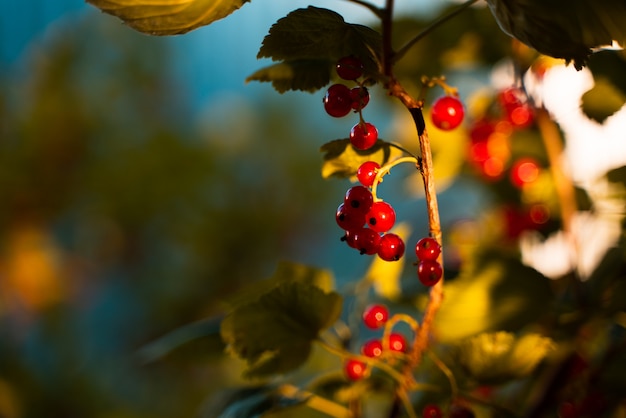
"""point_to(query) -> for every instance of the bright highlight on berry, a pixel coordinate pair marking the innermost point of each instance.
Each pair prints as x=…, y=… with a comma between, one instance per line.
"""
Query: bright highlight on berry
x=355, y=369
x=375, y=316
x=447, y=113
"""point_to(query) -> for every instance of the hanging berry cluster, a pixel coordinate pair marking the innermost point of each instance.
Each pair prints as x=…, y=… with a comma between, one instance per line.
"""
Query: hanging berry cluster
x=341, y=100
x=365, y=218
x=375, y=317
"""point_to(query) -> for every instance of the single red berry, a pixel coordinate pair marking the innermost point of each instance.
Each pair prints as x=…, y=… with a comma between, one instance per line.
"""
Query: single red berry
x=359, y=199
x=349, y=68
x=432, y=411
x=381, y=216
x=510, y=97
x=366, y=173
x=349, y=219
x=429, y=272
x=360, y=97
x=397, y=342
x=348, y=237
x=427, y=249
x=391, y=247
x=520, y=116
x=366, y=240
x=524, y=171
x=375, y=316
x=447, y=113
x=363, y=135
x=459, y=411
x=372, y=348
x=338, y=101
x=355, y=369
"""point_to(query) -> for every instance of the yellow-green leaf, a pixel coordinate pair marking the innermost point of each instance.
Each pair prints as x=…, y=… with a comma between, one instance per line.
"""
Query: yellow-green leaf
x=385, y=275
x=168, y=17
x=492, y=358
x=342, y=160
x=305, y=75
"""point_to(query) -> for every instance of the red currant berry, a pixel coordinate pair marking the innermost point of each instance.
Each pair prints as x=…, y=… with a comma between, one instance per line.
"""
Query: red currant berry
x=524, y=171
x=359, y=199
x=366, y=173
x=458, y=411
x=349, y=68
x=397, y=342
x=427, y=249
x=366, y=241
x=372, y=348
x=381, y=216
x=348, y=237
x=391, y=247
x=447, y=113
x=510, y=97
x=348, y=219
x=360, y=97
x=429, y=272
x=432, y=411
x=355, y=369
x=338, y=101
x=363, y=135
x=375, y=316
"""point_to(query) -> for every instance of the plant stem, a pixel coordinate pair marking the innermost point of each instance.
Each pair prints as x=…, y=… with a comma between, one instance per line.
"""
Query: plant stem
x=404, y=49
x=384, y=170
x=316, y=402
x=371, y=7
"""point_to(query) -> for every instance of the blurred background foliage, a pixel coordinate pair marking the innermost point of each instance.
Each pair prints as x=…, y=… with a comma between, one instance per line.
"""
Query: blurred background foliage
x=129, y=214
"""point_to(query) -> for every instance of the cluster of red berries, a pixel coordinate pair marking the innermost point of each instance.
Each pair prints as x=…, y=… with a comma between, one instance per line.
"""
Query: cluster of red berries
x=341, y=100
x=490, y=147
x=374, y=317
x=366, y=222
x=429, y=270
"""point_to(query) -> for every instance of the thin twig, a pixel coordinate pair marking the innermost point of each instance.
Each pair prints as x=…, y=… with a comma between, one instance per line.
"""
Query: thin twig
x=403, y=50
x=371, y=7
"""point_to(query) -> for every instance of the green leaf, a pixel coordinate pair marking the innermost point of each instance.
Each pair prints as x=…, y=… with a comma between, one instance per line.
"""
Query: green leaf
x=493, y=292
x=304, y=75
x=286, y=271
x=603, y=100
x=562, y=28
x=342, y=160
x=171, y=17
x=274, y=333
x=319, y=36
x=493, y=358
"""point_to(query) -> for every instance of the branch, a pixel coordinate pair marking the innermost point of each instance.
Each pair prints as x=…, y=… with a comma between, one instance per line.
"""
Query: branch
x=404, y=49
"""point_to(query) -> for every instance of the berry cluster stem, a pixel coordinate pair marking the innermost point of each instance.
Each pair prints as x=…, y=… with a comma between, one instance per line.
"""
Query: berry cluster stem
x=384, y=170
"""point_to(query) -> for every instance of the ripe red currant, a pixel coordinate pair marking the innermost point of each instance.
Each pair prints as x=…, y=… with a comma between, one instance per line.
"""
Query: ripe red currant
x=359, y=199
x=366, y=241
x=375, y=316
x=372, y=348
x=348, y=219
x=397, y=342
x=447, y=113
x=363, y=135
x=381, y=216
x=429, y=272
x=338, y=101
x=348, y=237
x=524, y=171
x=355, y=369
x=432, y=411
x=360, y=97
x=349, y=68
x=427, y=249
x=366, y=173
x=391, y=247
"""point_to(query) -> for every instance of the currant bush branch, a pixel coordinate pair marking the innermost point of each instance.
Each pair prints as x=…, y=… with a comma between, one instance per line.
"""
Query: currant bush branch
x=436, y=23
